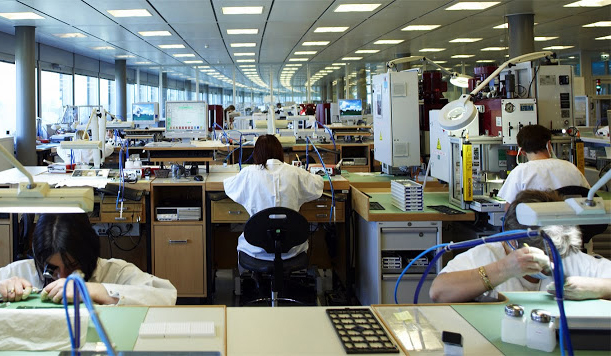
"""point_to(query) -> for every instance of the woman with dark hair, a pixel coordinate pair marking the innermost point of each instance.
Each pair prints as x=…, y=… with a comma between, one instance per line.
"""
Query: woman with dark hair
x=522, y=265
x=64, y=243
x=271, y=183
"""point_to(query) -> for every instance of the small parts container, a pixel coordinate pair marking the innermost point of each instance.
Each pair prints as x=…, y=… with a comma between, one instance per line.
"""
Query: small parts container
x=540, y=331
x=513, y=325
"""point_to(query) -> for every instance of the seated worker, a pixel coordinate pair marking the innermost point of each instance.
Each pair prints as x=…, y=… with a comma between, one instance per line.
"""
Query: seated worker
x=228, y=123
x=542, y=171
x=64, y=243
x=483, y=271
x=268, y=183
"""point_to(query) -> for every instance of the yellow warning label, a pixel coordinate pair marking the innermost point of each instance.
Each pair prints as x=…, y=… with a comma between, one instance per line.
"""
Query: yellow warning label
x=467, y=165
x=380, y=135
x=438, y=144
x=579, y=156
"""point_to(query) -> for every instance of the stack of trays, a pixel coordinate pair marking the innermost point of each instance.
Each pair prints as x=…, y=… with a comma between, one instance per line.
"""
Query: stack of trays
x=407, y=195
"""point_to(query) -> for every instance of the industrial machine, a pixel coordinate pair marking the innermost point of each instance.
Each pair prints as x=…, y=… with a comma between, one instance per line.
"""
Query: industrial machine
x=395, y=115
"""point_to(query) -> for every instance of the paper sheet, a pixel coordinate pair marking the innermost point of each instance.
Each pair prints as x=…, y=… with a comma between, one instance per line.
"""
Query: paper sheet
x=38, y=329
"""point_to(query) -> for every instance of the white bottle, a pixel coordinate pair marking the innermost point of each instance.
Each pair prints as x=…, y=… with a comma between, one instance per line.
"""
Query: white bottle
x=513, y=325
x=540, y=332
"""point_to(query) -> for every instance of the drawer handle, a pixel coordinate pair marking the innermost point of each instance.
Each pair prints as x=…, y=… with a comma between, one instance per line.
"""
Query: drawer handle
x=322, y=215
x=321, y=206
x=178, y=241
x=236, y=212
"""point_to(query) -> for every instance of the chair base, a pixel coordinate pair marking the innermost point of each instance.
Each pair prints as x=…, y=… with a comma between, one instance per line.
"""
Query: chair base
x=299, y=289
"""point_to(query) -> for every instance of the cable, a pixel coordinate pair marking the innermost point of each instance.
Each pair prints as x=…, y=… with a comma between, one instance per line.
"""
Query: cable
x=411, y=263
x=332, y=211
x=532, y=80
x=80, y=287
x=426, y=273
x=329, y=132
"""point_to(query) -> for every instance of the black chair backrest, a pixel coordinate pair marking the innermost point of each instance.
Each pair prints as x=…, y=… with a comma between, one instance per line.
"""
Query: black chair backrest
x=294, y=227
x=587, y=231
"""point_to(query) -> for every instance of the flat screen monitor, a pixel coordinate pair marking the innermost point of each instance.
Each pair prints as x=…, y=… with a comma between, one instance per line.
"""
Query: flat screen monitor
x=350, y=109
x=145, y=113
x=186, y=119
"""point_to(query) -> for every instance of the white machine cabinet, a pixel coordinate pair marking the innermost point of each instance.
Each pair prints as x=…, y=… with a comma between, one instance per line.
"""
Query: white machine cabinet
x=396, y=119
x=384, y=249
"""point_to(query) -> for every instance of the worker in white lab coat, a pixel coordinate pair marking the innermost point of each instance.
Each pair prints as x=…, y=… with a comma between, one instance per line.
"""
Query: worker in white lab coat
x=271, y=183
x=64, y=243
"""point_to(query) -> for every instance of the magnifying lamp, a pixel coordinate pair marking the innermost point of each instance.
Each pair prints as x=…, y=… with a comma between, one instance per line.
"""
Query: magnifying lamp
x=460, y=112
x=460, y=80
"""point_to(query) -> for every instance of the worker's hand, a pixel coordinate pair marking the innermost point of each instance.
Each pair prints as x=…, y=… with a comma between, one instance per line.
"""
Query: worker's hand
x=522, y=262
x=55, y=292
x=580, y=288
x=15, y=289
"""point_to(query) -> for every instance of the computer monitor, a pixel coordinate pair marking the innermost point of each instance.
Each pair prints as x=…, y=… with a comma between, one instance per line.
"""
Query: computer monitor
x=145, y=114
x=186, y=119
x=350, y=110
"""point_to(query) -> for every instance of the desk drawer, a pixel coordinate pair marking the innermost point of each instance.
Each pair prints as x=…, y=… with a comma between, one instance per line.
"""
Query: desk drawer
x=128, y=217
x=109, y=205
x=320, y=212
x=401, y=236
x=228, y=211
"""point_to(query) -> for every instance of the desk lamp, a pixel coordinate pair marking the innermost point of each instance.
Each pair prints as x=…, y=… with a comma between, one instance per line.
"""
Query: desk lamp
x=460, y=112
x=98, y=131
x=31, y=197
x=460, y=80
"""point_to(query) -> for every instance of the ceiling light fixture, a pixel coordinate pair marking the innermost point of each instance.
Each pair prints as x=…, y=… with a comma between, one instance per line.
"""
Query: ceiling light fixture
x=243, y=31
x=298, y=59
x=352, y=58
x=472, y=5
x=242, y=10
x=388, y=41
x=494, y=49
x=420, y=27
x=330, y=29
x=305, y=53
x=367, y=51
x=356, y=7
x=463, y=56
x=144, y=62
x=432, y=50
x=599, y=24
x=603, y=38
x=70, y=35
x=171, y=46
x=589, y=3
x=193, y=62
x=245, y=60
x=21, y=16
x=243, y=44
x=100, y=48
x=129, y=13
x=465, y=40
x=155, y=33
x=554, y=48
x=315, y=43
x=541, y=39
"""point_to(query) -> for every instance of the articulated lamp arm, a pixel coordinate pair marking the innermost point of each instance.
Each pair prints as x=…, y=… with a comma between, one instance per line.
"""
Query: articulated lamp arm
x=393, y=63
x=12, y=160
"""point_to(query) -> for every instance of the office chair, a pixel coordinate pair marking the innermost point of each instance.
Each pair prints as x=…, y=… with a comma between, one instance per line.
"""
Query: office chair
x=587, y=231
x=276, y=230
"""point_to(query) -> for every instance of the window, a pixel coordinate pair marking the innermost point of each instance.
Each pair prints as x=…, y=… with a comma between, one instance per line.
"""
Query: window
x=56, y=91
x=7, y=98
x=85, y=90
x=107, y=95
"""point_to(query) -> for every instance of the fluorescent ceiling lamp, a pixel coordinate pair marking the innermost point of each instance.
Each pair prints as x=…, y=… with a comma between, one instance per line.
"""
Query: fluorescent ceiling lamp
x=294, y=65
x=599, y=24
x=485, y=60
x=352, y=58
x=604, y=38
x=541, y=38
x=338, y=64
x=367, y=51
x=472, y=5
x=315, y=43
x=170, y=46
x=130, y=13
x=21, y=16
x=154, y=33
x=330, y=29
x=145, y=62
x=242, y=10
x=243, y=54
x=439, y=62
x=463, y=56
x=243, y=31
x=305, y=53
x=589, y=3
x=460, y=112
x=245, y=60
x=553, y=48
x=298, y=59
x=243, y=44
x=356, y=7
x=432, y=50
x=100, y=48
x=69, y=35
x=494, y=49
x=193, y=62
x=183, y=55
x=420, y=27
x=465, y=40
x=388, y=41
x=247, y=66
x=125, y=56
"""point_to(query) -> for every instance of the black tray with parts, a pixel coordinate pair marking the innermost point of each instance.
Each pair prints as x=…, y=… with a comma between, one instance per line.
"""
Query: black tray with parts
x=360, y=332
x=445, y=209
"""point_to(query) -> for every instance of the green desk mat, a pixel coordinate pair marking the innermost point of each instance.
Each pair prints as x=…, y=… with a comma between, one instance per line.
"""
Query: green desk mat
x=121, y=323
x=486, y=318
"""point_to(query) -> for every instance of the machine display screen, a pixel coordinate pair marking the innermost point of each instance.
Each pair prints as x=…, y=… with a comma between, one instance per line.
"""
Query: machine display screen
x=527, y=107
x=350, y=107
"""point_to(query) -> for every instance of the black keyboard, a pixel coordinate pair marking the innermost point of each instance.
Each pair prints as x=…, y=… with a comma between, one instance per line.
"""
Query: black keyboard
x=374, y=205
x=445, y=209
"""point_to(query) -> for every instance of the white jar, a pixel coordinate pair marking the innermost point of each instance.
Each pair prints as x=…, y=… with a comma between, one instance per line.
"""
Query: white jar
x=540, y=332
x=513, y=325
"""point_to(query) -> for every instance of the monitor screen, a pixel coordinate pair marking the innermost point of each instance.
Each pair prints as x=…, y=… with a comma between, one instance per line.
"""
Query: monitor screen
x=145, y=113
x=186, y=117
x=350, y=107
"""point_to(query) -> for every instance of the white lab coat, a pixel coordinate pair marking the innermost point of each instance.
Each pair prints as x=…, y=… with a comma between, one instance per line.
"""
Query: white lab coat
x=121, y=279
x=541, y=174
x=574, y=264
x=279, y=185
